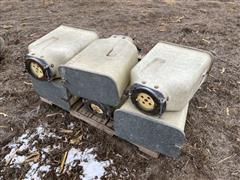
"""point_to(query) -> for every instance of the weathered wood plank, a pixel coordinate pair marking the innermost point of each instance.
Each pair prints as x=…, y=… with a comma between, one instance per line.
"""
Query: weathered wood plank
x=110, y=124
x=79, y=111
x=92, y=122
x=147, y=151
x=100, y=120
x=46, y=101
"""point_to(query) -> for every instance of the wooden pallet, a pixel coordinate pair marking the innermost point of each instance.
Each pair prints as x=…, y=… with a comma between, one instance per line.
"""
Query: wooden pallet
x=79, y=111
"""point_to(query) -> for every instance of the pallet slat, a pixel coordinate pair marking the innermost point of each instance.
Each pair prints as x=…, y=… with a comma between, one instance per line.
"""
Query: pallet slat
x=92, y=122
x=80, y=112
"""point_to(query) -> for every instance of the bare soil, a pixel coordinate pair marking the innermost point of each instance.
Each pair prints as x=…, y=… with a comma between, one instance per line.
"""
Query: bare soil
x=212, y=150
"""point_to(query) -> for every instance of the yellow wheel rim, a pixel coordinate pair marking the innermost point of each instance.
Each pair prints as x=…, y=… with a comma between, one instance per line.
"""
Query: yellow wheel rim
x=36, y=70
x=96, y=109
x=145, y=102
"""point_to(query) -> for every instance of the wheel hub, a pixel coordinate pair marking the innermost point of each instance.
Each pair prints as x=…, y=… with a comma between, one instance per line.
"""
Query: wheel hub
x=145, y=101
x=96, y=108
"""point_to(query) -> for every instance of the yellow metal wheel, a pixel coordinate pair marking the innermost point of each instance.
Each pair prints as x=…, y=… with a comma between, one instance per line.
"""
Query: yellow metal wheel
x=36, y=70
x=145, y=101
x=96, y=108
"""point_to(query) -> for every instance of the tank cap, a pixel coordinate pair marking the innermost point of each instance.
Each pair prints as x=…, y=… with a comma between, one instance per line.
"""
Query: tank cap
x=147, y=100
x=38, y=68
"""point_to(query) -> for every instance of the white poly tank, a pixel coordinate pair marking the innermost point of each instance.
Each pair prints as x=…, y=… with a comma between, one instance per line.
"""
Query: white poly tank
x=101, y=72
x=55, y=48
x=168, y=77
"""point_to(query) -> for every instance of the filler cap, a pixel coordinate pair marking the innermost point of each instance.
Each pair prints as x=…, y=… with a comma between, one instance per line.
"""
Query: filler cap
x=38, y=68
x=148, y=100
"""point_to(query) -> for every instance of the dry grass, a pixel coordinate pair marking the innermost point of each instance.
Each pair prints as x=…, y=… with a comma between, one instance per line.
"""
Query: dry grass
x=170, y=2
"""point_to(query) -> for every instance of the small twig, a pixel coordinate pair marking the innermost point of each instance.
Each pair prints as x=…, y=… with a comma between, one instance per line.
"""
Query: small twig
x=76, y=140
x=8, y=162
x=162, y=28
x=7, y=26
x=223, y=70
x=208, y=42
x=227, y=111
x=178, y=20
x=27, y=83
x=33, y=157
x=226, y=158
x=211, y=89
x=212, y=76
x=202, y=107
x=185, y=164
x=54, y=114
x=38, y=108
x=4, y=127
x=170, y=2
x=141, y=155
x=4, y=114
x=67, y=131
x=63, y=161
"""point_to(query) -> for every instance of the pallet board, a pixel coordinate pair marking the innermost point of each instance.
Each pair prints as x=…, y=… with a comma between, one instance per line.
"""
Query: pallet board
x=79, y=111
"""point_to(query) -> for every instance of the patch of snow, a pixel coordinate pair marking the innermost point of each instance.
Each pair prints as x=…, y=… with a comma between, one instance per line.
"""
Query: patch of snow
x=18, y=160
x=33, y=172
x=70, y=126
x=53, y=135
x=56, y=146
x=45, y=168
x=23, y=137
x=43, y=133
x=23, y=143
x=46, y=149
x=40, y=131
x=92, y=168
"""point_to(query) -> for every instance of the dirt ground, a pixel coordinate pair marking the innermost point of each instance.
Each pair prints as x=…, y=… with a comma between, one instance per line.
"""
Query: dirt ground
x=212, y=150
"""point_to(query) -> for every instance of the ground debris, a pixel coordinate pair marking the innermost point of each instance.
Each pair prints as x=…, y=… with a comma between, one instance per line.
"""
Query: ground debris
x=227, y=111
x=162, y=28
x=35, y=157
x=4, y=127
x=76, y=140
x=207, y=41
x=225, y=159
x=4, y=114
x=27, y=83
x=55, y=114
x=30, y=150
x=5, y=26
x=66, y=131
x=170, y=2
x=177, y=19
x=63, y=161
x=223, y=70
x=202, y=107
